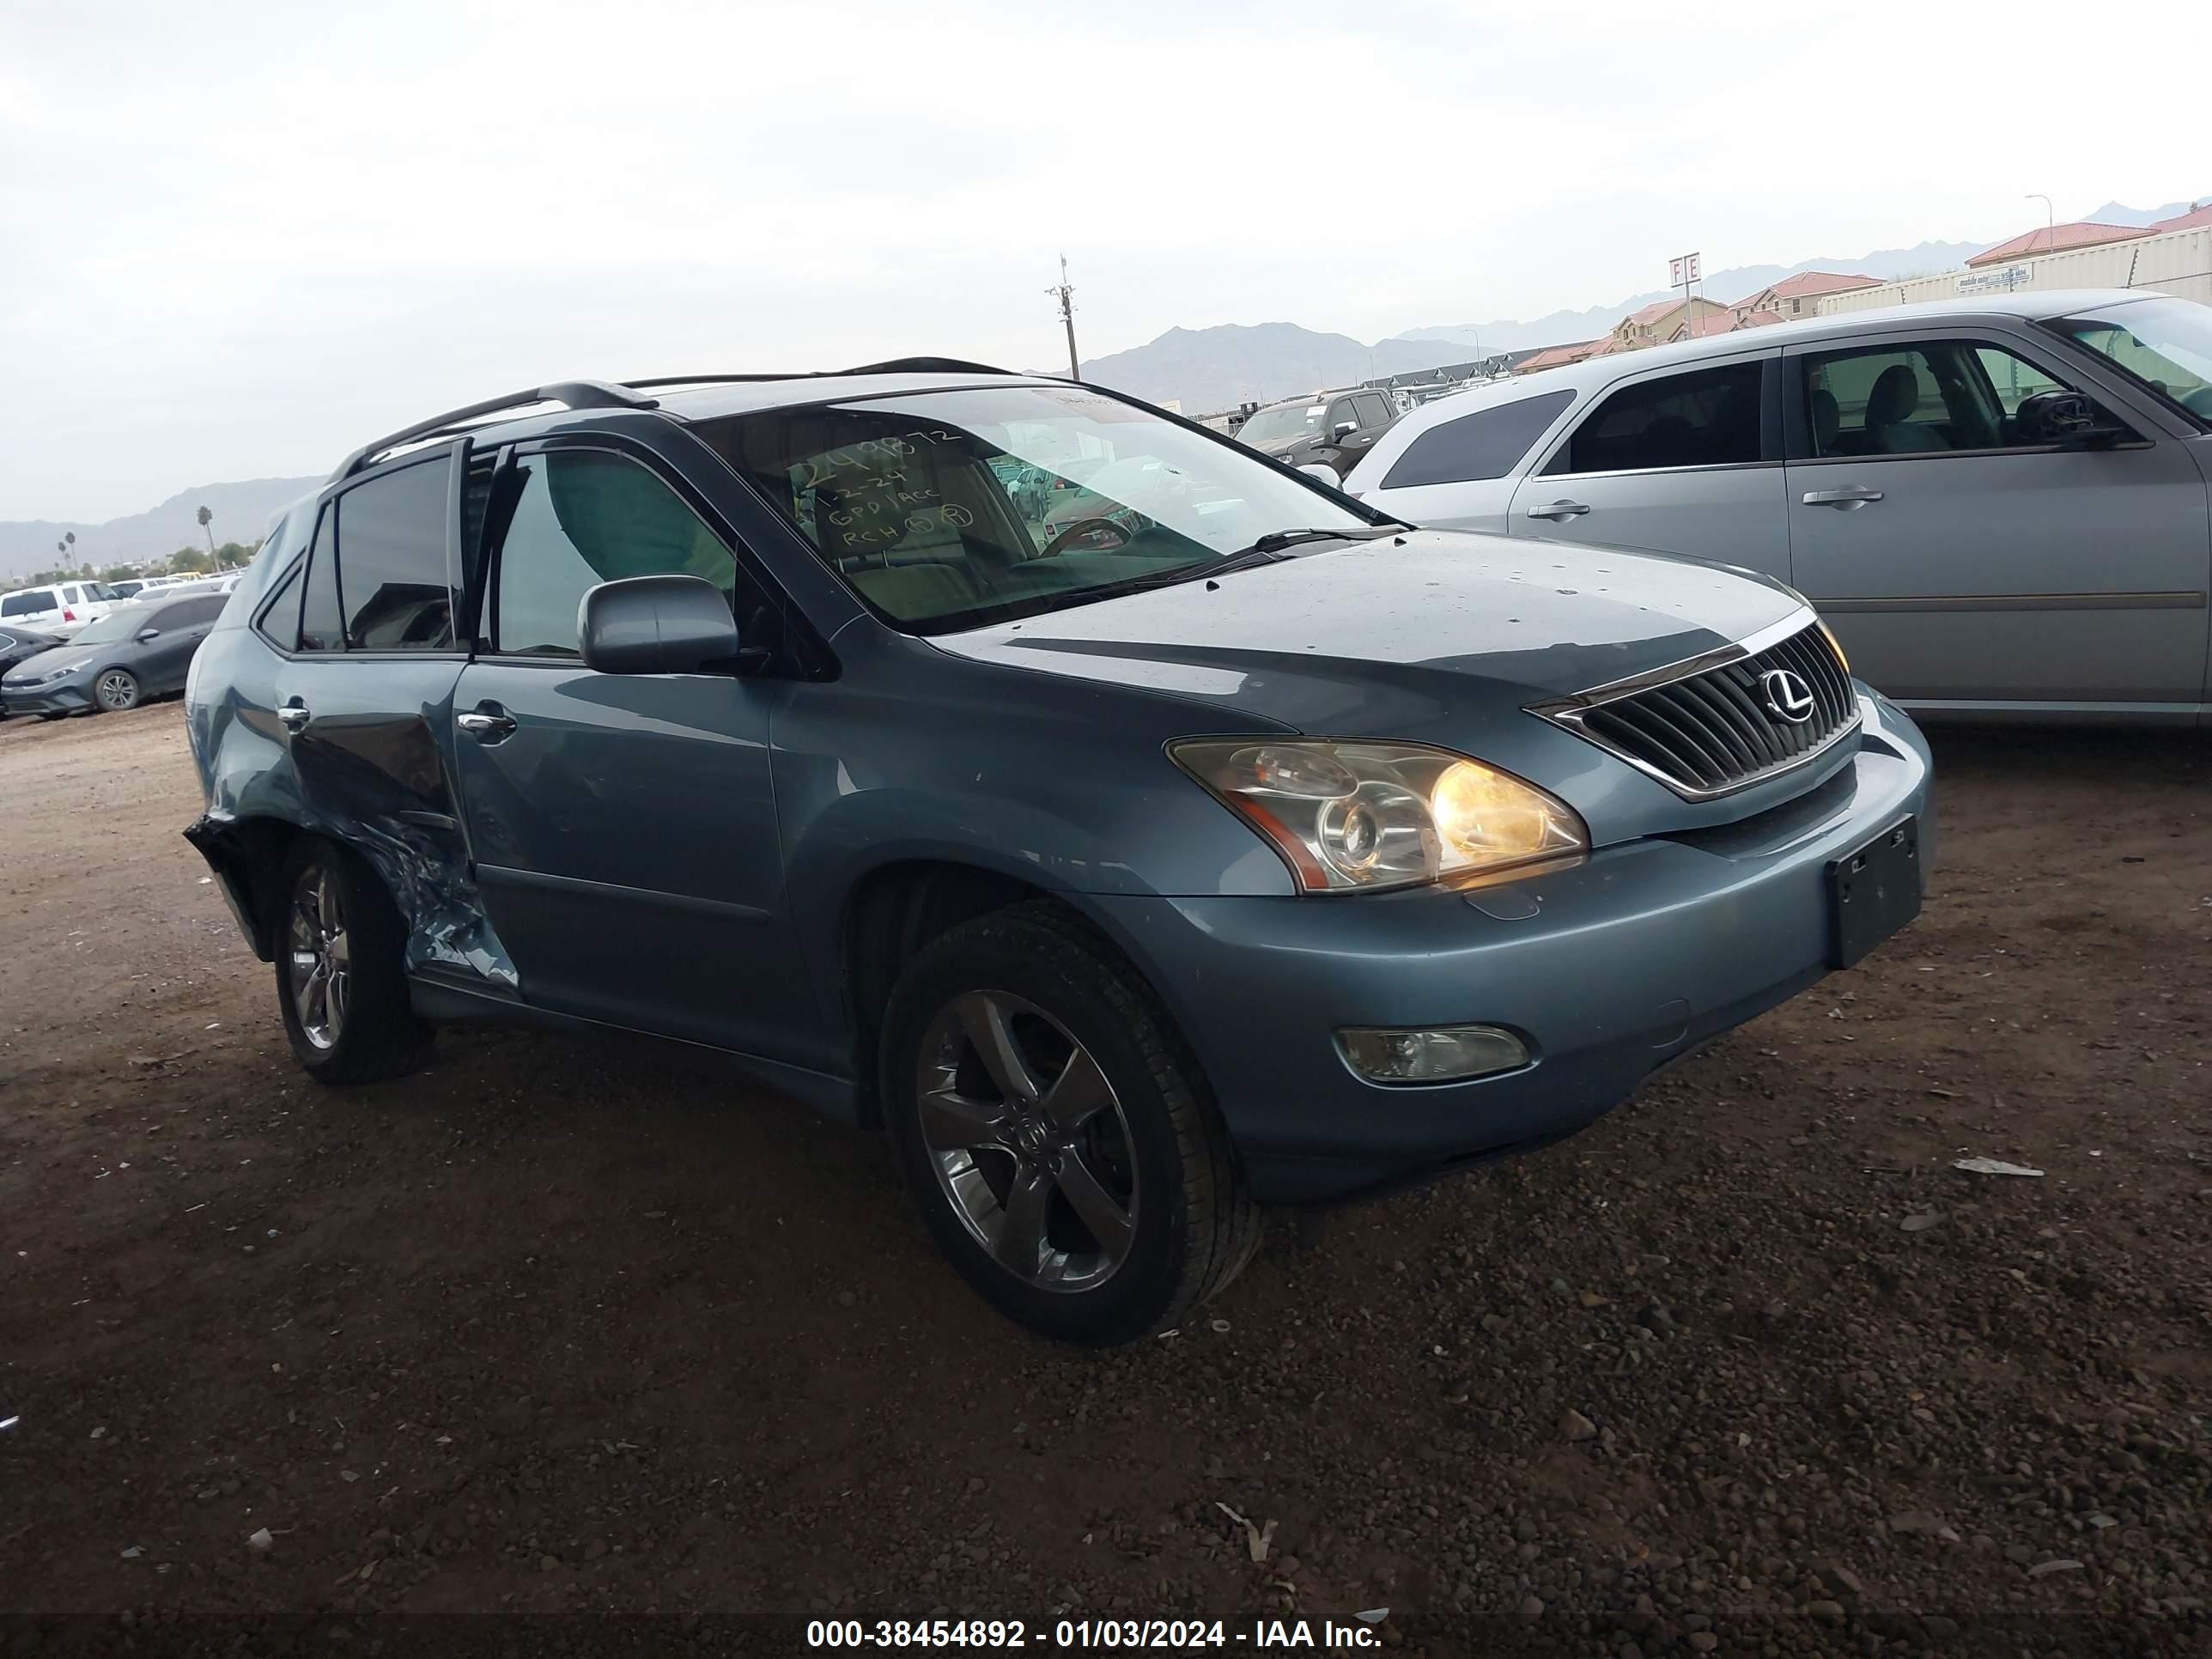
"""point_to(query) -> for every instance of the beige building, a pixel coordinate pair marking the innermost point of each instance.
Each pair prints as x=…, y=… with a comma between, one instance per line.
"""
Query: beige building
x=1799, y=295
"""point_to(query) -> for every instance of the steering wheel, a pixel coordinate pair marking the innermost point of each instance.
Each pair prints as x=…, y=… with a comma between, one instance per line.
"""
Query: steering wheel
x=1120, y=532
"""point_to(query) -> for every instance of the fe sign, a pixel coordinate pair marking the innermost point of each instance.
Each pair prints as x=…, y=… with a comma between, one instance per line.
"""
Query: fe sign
x=1682, y=271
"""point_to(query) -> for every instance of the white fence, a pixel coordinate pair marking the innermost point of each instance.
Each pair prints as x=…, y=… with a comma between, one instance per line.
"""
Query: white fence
x=2179, y=262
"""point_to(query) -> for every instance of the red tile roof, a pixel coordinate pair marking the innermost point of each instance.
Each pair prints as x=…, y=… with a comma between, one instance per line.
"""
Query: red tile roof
x=1759, y=318
x=1807, y=283
x=1558, y=356
x=2056, y=239
x=2201, y=216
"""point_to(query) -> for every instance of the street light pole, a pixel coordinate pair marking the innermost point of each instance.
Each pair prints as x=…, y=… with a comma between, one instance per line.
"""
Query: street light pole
x=2050, y=220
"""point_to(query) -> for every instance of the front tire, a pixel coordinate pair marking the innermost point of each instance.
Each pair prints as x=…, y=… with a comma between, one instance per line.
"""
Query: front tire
x=341, y=975
x=1061, y=1139
x=115, y=692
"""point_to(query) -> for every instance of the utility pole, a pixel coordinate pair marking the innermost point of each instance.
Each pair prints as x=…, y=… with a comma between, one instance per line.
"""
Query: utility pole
x=1066, y=295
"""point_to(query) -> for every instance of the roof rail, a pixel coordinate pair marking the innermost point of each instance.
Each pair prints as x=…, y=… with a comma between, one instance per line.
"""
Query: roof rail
x=577, y=394
x=891, y=365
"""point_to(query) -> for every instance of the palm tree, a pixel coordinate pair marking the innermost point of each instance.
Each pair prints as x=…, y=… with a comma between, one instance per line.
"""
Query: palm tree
x=207, y=518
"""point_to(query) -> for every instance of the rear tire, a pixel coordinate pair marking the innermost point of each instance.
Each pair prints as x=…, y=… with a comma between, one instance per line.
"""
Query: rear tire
x=341, y=977
x=1095, y=1200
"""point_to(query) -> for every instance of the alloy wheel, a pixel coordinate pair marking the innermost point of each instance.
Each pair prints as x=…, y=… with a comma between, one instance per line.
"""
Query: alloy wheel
x=116, y=690
x=321, y=963
x=1028, y=1142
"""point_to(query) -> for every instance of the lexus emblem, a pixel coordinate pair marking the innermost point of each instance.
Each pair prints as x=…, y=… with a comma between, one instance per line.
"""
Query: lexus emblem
x=1788, y=696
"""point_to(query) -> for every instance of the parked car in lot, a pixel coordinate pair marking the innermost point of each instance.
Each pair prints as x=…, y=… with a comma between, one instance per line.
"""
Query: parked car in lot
x=56, y=608
x=1332, y=429
x=1277, y=852
x=20, y=645
x=134, y=652
x=1999, y=505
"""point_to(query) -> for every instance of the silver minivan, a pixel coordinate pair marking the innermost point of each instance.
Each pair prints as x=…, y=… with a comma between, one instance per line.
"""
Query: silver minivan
x=2003, y=506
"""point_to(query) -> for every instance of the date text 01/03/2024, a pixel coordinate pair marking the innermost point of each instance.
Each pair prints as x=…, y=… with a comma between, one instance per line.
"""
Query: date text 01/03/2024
x=1079, y=1635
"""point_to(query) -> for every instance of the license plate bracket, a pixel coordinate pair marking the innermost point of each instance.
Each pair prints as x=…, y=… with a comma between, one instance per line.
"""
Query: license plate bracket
x=1872, y=891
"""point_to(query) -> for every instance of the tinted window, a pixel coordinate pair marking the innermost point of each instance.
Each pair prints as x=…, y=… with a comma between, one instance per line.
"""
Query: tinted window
x=188, y=613
x=1709, y=417
x=1926, y=399
x=322, y=621
x=1339, y=412
x=1487, y=444
x=392, y=560
x=28, y=605
x=280, y=620
x=1374, y=408
x=575, y=519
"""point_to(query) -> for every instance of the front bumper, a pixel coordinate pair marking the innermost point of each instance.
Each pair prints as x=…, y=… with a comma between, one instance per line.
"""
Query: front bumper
x=66, y=697
x=1608, y=969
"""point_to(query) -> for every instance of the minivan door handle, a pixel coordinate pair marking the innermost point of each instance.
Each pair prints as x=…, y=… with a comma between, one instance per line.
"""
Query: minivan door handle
x=294, y=715
x=1557, y=510
x=1849, y=497
x=487, y=723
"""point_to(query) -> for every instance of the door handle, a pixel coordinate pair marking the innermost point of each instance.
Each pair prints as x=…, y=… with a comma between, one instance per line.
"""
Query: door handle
x=294, y=715
x=487, y=723
x=1849, y=497
x=1557, y=510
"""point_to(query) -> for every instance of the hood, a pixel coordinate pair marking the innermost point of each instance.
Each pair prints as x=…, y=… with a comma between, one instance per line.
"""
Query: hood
x=1375, y=638
x=1275, y=447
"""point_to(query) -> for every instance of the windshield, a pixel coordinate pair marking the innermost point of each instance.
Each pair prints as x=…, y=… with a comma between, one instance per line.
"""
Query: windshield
x=120, y=624
x=2166, y=345
x=949, y=509
x=1289, y=421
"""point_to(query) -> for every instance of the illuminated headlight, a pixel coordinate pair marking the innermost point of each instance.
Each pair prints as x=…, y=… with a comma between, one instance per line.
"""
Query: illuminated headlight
x=1438, y=1055
x=1349, y=815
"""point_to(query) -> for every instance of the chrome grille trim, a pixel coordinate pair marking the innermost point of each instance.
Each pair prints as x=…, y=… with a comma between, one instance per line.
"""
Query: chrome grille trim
x=1700, y=726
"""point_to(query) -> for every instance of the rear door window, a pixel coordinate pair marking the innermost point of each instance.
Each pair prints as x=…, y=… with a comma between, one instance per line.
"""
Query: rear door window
x=1706, y=417
x=322, y=617
x=1374, y=409
x=1487, y=444
x=392, y=560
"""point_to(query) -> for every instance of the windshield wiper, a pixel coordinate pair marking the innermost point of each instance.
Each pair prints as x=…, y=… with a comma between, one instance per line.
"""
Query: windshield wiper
x=1276, y=540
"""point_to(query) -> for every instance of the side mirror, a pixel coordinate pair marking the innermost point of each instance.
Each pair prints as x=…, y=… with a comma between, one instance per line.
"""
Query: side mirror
x=146, y=633
x=1327, y=475
x=2063, y=417
x=1343, y=429
x=656, y=625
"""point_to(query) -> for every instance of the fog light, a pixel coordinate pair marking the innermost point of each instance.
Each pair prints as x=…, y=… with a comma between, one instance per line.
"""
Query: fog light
x=1432, y=1056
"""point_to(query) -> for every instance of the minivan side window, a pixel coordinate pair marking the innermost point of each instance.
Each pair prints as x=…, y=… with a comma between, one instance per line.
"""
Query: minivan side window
x=575, y=519
x=392, y=560
x=28, y=603
x=1487, y=444
x=1707, y=418
x=1927, y=398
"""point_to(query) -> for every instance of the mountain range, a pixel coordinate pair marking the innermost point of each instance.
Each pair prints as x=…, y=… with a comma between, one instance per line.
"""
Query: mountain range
x=1219, y=368
x=1207, y=370
x=242, y=511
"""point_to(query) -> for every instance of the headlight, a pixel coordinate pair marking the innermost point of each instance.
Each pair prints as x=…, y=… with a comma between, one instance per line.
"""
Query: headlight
x=1347, y=816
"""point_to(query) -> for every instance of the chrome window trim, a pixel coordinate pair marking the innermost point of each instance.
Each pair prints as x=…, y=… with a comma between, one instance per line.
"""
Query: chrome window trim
x=1569, y=712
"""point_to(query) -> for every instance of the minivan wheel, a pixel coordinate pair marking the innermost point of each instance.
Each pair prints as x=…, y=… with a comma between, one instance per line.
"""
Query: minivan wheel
x=1060, y=1138
x=115, y=691
x=341, y=982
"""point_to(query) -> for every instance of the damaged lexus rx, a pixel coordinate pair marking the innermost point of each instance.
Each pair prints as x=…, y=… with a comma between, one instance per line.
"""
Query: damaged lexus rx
x=1236, y=846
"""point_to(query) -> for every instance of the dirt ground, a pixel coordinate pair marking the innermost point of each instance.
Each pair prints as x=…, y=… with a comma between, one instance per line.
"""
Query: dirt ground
x=645, y=1361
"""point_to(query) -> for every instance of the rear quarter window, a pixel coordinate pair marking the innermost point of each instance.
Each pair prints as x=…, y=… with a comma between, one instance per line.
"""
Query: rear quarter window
x=1486, y=444
x=28, y=605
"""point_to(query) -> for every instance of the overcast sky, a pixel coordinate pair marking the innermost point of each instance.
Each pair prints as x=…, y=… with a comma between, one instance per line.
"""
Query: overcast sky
x=237, y=240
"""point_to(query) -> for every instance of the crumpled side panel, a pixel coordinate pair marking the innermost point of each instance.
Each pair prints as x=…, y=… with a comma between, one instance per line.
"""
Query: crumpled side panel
x=375, y=783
